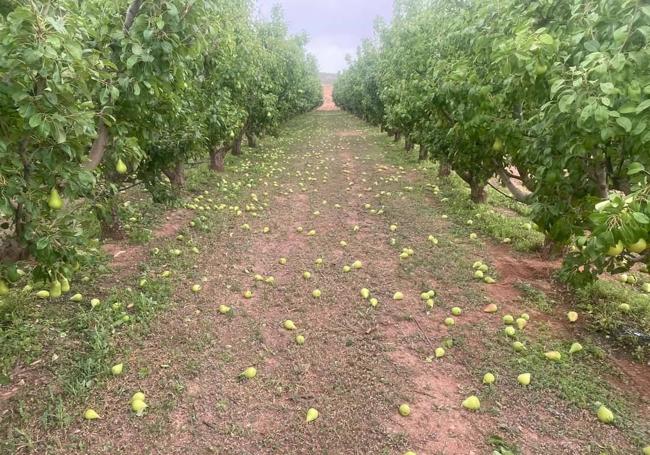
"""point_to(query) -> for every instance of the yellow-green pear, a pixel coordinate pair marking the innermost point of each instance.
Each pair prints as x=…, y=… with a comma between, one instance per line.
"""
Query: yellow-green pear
x=439, y=352
x=524, y=379
x=638, y=247
x=94, y=302
x=357, y=265
x=605, y=415
x=449, y=321
x=456, y=311
x=489, y=378
x=472, y=403
x=575, y=347
x=54, y=201
x=489, y=280
x=365, y=293
x=410, y=452
x=196, y=288
x=510, y=331
x=223, y=309
x=312, y=414
x=316, y=293
x=374, y=302
x=250, y=373
x=624, y=307
x=117, y=369
x=248, y=294
x=508, y=319
x=306, y=275
x=289, y=325
x=404, y=410
x=282, y=261
x=616, y=249
x=65, y=285
x=478, y=274
x=346, y=268
x=646, y=450
x=300, y=340
x=518, y=346
x=43, y=294
x=521, y=323
x=90, y=414
x=572, y=316
x=55, y=289
x=138, y=406
x=553, y=355
x=120, y=167
x=398, y=296
x=4, y=289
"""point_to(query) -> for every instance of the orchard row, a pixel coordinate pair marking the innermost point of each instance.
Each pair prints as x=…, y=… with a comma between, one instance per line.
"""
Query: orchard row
x=551, y=97
x=99, y=96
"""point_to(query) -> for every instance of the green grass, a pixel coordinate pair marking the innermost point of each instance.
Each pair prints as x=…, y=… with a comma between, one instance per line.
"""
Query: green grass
x=535, y=297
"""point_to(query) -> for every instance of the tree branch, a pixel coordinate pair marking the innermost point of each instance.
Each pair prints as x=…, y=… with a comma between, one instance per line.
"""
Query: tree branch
x=131, y=14
x=517, y=193
x=99, y=146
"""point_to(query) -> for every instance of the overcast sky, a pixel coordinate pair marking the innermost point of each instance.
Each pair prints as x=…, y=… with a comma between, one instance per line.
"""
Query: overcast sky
x=335, y=27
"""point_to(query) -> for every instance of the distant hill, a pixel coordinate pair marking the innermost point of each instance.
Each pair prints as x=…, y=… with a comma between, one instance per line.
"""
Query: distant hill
x=328, y=78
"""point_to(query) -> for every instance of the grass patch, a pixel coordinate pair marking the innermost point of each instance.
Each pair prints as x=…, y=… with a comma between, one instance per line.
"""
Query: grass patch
x=535, y=297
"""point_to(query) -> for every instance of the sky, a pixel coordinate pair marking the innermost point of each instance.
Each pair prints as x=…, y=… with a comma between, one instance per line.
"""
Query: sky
x=335, y=27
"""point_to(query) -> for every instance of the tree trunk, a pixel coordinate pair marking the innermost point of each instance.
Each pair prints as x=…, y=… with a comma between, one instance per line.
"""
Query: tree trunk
x=477, y=192
x=397, y=137
x=110, y=224
x=444, y=170
x=423, y=154
x=517, y=193
x=600, y=177
x=217, y=157
x=408, y=144
x=236, y=146
x=251, y=138
x=176, y=176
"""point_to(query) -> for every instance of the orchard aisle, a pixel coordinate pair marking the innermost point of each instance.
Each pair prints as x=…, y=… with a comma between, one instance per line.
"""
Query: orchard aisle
x=358, y=363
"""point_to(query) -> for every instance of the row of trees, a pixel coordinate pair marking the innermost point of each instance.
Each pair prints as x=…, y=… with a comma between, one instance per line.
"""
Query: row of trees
x=551, y=96
x=98, y=95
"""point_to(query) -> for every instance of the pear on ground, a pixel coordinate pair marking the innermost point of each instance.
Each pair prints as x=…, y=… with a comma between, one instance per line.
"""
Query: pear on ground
x=365, y=293
x=250, y=373
x=572, y=316
x=604, y=414
x=524, y=378
x=491, y=308
x=90, y=414
x=116, y=370
x=440, y=352
x=312, y=414
x=224, y=309
x=289, y=325
x=489, y=378
x=398, y=296
x=300, y=340
x=404, y=410
x=472, y=403
x=553, y=355
x=575, y=347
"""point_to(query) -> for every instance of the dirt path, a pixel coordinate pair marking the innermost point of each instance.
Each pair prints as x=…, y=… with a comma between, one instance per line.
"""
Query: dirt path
x=358, y=363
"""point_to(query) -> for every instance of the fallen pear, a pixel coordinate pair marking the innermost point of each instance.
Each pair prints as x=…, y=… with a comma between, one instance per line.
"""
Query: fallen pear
x=289, y=325
x=524, y=379
x=638, y=247
x=138, y=406
x=646, y=450
x=196, y=288
x=473, y=236
x=312, y=414
x=488, y=378
x=404, y=410
x=521, y=323
x=508, y=319
x=306, y=275
x=440, y=352
x=449, y=321
x=94, y=302
x=572, y=316
x=223, y=309
x=316, y=293
x=4, y=289
x=65, y=285
x=365, y=293
x=478, y=274
x=624, y=307
x=55, y=289
x=525, y=316
x=491, y=308
x=489, y=280
x=116, y=370
x=90, y=414
x=346, y=268
x=456, y=311
x=250, y=373
x=137, y=396
x=575, y=347
x=410, y=452
x=76, y=298
x=472, y=403
x=374, y=302
x=357, y=265
x=553, y=355
x=518, y=346
x=510, y=331
x=282, y=261
x=604, y=414
x=300, y=340
x=43, y=294
x=398, y=296
x=248, y=294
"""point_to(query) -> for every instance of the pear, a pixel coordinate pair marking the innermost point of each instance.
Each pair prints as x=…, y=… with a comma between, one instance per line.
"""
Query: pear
x=491, y=308
x=575, y=347
x=138, y=406
x=289, y=325
x=65, y=285
x=489, y=280
x=166, y=274
x=398, y=296
x=508, y=319
x=473, y=236
x=404, y=410
x=90, y=414
x=374, y=302
x=393, y=228
x=646, y=450
x=120, y=167
x=430, y=303
x=346, y=268
x=357, y=265
x=518, y=346
x=306, y=275
x=316, y=293
x=4, y=289
x=478, y=274
x=472, y=403
x=299, y=229
x=510, y=331
x=525, y=316
x=43, y=294
x=624, y=307
x=477, y=264
x=55, y=289
x=440, y=352
x=488, y=378
x=483, y=268
x=572, y=316
x=410, y=452
x=117, y=369
x=282, y=261
x=456, y=311
x=54, y=201
x=196, y=288
x=94, y=303
x=248, y=294
x=638, y=247
x=311, y=233
x=365, y=293
x=223, y=309
x=524, y=378
x=300, y=340
x=521, y=323
x=449, y=321
x=137, y=396
x=319, y=261
x=312, y=414
x=250, y=373
x=553, y=355
x=605, y=415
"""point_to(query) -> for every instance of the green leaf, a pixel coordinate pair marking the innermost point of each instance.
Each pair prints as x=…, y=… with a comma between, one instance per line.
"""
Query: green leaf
x=608, y=88
x=547, y=39
x=635, y=168
x=641, y=217
x=565, y=102
x=35, y=120
x=643, y=106
x=625, y=123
